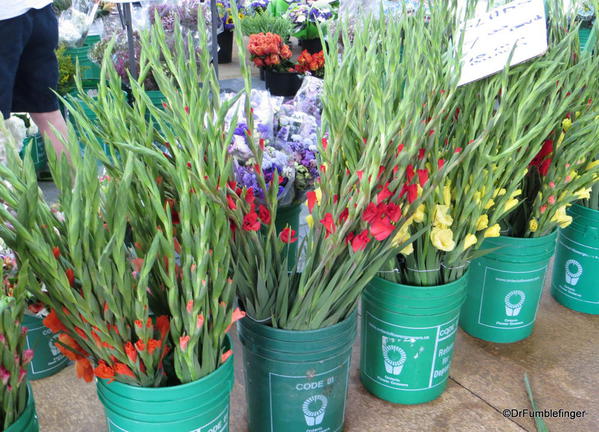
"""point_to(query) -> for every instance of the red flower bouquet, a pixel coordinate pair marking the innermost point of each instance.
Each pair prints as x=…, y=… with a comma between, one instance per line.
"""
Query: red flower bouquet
x=268, y=51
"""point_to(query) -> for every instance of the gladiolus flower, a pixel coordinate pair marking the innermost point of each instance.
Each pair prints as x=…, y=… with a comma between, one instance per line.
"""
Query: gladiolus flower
x=70, y=276
x=123, y=369
x=422, y=177
x=53, y=322
x=130, y=351
x=419, y=214
x=442, y=239
x=163, y=325
x=84, y=369
x=412, y=193
x=27, y=356
x=329, y=224
x=264, y=214
x=393, y=211
x=561, y=218
x=56, y=252
x=493, y=231
x=225, y=356
x=183, y=341
x=360, y=241
x=384, y=194
x=251, y=222
x=153, y=344
x=469, y=241
x=533, y=225
x=482, y=223
x=410, y=173
x=200, y=321
x=74, y=351
x=104, y=371
x=442, y=218
x=325, y=143
x=231, y=203
x=343, y=216
x=288, y=235
x=140, y=346
x=311, y=197
x=370, y=213
x=381, y=229
x=4, y=375
x=310, y=221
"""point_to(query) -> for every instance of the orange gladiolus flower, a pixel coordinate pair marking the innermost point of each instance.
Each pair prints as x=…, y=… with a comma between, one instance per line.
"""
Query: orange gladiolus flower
x=54, y=323
x=84, y=369
x=104, y=371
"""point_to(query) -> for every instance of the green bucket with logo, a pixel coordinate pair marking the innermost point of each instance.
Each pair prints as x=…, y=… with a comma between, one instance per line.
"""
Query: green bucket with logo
x=47, y=359
x=200, y=406
x=296, y=381
x=27, y=421
x=289, y=217
x=505, y=287
x=576, y=266
x=408, y=335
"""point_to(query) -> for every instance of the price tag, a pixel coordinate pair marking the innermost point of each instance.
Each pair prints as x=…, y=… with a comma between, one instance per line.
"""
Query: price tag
x=490, y=38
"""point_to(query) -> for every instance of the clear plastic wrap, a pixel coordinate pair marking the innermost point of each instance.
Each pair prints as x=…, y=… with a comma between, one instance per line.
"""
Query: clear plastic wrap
x=74, y=23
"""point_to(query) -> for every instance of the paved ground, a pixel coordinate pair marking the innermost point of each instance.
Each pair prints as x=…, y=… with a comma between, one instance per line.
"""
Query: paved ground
x=560, y=359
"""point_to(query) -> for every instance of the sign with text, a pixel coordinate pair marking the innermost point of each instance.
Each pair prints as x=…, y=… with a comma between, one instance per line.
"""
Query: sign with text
x=490, y=38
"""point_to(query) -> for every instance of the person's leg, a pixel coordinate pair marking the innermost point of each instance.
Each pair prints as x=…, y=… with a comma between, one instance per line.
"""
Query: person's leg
x=37, y=77
x=14, y=33
x=50, y=124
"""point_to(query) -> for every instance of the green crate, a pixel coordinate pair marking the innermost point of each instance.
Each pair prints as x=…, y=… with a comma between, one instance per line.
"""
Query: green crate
x=35, y=145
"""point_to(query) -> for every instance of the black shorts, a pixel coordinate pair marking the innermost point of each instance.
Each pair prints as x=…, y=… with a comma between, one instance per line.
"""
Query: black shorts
x=28, y=65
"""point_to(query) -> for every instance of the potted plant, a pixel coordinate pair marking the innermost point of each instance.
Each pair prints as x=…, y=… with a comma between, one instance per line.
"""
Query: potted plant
x=506, y=285
x=311, y=63
x=306, y=16
x=17, y=407
x=225, y=38
x=268, y=51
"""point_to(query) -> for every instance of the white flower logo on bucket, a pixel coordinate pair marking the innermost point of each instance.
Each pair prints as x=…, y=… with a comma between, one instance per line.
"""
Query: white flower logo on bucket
x=513, y=302
x=394, y=365
x=314, y=417
x=572, y=277
x=53, y=348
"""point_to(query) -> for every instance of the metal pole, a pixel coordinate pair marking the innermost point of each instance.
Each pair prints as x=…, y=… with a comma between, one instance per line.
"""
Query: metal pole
x=130, y=41
x=214, y=13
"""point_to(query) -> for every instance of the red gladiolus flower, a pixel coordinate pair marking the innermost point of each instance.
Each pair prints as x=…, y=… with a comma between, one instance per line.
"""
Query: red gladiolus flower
x=130, y=351
x=458, y=150
x=288, y=235
x=264, y=215
x=153, y=344
x=311, y=197
x=360, y=241
x=183, y=341
x=329, y=224
x=410, y=173
x=54, y=323
x=325, y=143
x=251, y=222
x=231, y=203
x=186, y=109
x=56, y=252
x=200, y=321
x=384, y=194
x=343, y=216
x=140, y=346
x=412, y=193
x=421, y=153
x=74, y=350
x=123, y=369
x=189, y=306
x=349, y=237
x=163, y=325
x=393, y=211
x=399, y=149
x=370, y=213
x=381, y=228
x=104, y=371
x=422, y=177
x=440, y=163
x=70, y=276
x=544, y=167
x=225, y=356
x=249, y=196
x=360, y=174
x=84, y=369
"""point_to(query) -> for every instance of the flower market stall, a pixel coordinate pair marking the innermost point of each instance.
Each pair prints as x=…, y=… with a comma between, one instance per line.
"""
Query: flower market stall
x=408, y=203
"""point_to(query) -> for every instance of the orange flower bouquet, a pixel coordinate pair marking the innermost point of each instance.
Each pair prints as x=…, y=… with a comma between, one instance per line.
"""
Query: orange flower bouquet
x=311, y=63
x=268, y=51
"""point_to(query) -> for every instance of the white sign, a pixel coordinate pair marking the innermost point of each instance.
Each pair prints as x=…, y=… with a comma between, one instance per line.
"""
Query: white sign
x=490, y=38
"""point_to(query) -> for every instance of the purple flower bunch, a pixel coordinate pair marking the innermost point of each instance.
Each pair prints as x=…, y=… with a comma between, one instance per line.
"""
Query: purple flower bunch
x=258, y=5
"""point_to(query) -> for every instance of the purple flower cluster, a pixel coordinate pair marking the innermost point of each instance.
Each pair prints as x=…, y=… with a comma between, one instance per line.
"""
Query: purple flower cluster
x=258, y=5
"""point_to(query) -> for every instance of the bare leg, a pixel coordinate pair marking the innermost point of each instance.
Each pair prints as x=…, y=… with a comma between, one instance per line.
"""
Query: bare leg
x=47, y=122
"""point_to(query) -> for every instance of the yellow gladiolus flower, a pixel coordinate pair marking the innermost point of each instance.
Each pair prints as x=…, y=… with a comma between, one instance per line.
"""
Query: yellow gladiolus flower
x=447, y=194
x=469, y=241
x=482, y=223
x=310, y=221
x=408, y=250
x=583, y=193
x=442, y=239
x=499, y=192
x=560, y=140
x=442, y=217
x=489, y=204
x=561, y=218
x=493, y=231
x=566, y=124
x=533, y=225
x=511, y=204
x=403, y=235
x=476, y=197
x=419, y=214
x=318, y=193
x=578, y=114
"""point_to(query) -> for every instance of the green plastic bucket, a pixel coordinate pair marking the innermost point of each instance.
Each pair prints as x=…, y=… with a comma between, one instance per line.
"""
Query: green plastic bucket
x=200, y=406
x=576, y=267
x=505, y=288
x=90, y=71
x=47, y=359
x=408, y=335
x=157, y=97
x=289, y=217
x=27, y=421
x=296, y=380
x=35, y=145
